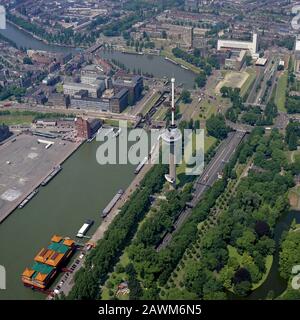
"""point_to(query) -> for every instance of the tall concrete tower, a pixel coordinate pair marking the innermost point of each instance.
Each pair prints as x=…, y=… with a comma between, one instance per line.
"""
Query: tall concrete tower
x=2, y=18
x=254, y=43
x=170, y=137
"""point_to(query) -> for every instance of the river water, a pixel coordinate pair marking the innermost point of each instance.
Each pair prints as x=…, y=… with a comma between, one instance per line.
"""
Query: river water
x=155, y=65
x=25, y=40
x=79, y=192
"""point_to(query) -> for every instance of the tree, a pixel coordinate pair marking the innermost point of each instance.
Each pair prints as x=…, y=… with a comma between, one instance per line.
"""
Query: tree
x=280, y=67
x=226, y=276
x=247, y=240
x=197, y=52
x=290, y=254
x=293, y=141
x=225, y=91
x=262, y=228
x=186, y=96
x=216, y=126
x=164, y=34
x=248, y=61
x=197, y=124
x=241, y=275
x=177, y=294
x=201, y=80
x=242, y=289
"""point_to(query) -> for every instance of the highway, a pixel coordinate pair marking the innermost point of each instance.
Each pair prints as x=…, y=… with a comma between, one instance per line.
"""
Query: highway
x=208, y=177
x=253, y=93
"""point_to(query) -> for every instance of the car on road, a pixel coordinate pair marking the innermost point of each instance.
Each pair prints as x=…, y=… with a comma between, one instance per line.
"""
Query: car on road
x=56, y=291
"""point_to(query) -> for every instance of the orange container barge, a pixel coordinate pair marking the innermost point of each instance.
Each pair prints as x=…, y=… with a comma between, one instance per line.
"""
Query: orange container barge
x=48, y=262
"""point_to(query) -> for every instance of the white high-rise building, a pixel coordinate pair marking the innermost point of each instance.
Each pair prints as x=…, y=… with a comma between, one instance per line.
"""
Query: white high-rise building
x=2, y=18
x=251, y=46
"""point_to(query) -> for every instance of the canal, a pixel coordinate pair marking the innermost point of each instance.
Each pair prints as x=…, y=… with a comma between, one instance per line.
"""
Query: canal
x=79, y=192
x=274, y=282
x=151, y=64
x=25, y=40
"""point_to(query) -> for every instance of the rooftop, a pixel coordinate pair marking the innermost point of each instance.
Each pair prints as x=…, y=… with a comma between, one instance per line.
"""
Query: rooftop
x=297, y=47
x=58, y=247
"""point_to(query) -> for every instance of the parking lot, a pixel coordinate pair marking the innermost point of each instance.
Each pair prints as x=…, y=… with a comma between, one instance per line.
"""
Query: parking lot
x=66, y=281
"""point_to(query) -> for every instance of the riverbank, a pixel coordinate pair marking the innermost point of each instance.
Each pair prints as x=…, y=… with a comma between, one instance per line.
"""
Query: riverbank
x=180, y=62
x=66, y=287
x=44, y=40
x=116, y=209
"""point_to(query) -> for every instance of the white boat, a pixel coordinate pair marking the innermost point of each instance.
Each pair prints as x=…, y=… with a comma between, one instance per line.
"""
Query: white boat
x=84, y=229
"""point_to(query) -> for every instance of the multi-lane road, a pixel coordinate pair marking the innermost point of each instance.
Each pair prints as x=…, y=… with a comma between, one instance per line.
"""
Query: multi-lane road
x=208, y=177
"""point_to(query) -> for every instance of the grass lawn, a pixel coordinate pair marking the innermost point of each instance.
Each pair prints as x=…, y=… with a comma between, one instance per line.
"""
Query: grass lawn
x=115, y=123
x=209, y=107
x=292, y=156
x=294, y=197
x=208, y=142
x=280, y=96
x=115, y=279
x=60, y=88
x=168, y=54
x=249, y=82
x=12, y=119
x=233, y=253
x=268, y=263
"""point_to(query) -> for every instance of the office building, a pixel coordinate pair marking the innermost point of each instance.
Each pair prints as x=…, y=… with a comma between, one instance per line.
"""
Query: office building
x=87, y=128
x=119, y=101
x=2, y=17
x=224, y=45
x=94, y=90
x=134, y=84
x=4, y=132
x=236, y=60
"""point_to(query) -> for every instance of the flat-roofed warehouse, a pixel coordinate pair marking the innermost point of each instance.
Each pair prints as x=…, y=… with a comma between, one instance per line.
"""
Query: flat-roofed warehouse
x=94, y=90
x=2, y=17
